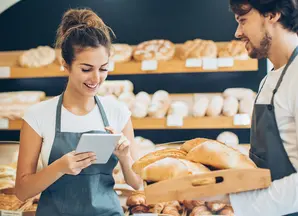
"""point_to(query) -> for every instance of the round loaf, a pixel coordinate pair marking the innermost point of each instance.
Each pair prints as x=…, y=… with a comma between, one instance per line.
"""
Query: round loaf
x=136, y=199
x=219, y=155
x=37, y=57
x=234, y=49
x=154, y=50
x=155, y=156
x=239, y=93
x=121, y=53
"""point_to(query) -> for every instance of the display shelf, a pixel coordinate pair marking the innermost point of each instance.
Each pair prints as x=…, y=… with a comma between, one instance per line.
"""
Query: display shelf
x=220, y=122
x=9, y=67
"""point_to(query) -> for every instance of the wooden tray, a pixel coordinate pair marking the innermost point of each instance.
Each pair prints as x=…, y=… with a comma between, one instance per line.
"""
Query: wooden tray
x=228, y=181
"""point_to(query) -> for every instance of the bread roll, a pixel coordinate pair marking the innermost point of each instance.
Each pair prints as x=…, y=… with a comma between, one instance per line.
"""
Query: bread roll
x=139, y=209
x=121, y=53
x=155, y=156
x=227, y=210
x=215, y=106
x=179, y=108
x=160, y=95
x=158, y=109
x=246, y=105
x=230, y=106
x=219, y=156
x=128, y=98
x=200, y=211
x=200, y=107
x=234, y=49
x=228, y=138
x=191, y=204
x=239, y=93
x=139, y=110
x=136, y=199
x=143, y=97
x=171, y=210
x=190, y=144
x=157, y=208
x=169, y=168
x=215, y=206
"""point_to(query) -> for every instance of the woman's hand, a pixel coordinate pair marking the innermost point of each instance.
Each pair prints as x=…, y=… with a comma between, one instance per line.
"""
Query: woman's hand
x=122, y=150
x=72, y=163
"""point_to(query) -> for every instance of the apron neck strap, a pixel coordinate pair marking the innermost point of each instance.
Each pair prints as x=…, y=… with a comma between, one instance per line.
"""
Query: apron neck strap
x=59, y=108
x=293, y=56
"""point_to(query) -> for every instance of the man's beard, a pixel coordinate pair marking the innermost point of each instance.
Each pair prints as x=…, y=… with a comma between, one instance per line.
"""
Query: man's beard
x=263, y=50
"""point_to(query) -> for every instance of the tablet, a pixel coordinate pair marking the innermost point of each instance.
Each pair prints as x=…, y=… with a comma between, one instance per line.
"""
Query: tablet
x=102, y=145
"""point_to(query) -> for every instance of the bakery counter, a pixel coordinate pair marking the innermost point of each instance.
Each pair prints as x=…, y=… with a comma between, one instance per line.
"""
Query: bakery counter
x=219, y=122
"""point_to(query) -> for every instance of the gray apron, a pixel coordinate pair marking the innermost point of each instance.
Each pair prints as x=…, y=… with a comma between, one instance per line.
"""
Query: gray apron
x=91, y=192
x=267, y=149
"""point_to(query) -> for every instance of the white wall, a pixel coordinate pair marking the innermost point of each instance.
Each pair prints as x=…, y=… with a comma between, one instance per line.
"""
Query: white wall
x=4, y=4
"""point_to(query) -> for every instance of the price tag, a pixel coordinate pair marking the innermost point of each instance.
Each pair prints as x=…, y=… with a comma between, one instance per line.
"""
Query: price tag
x=111, y=66
x=210, y=63
x=149, y=65
x=4, y=72
x=242, y=119
x=225, y=62
x=10, y=213
x=174, y=121
x=4, y=123
x=193, y=62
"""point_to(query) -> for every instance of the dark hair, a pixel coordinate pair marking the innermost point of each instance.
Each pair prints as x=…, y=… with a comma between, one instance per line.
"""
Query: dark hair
x=287, y=8
x=79, y=29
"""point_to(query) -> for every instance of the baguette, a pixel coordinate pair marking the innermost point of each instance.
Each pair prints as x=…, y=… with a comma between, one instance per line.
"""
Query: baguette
x=219, y=156
x=190, y=144
x=155, y=156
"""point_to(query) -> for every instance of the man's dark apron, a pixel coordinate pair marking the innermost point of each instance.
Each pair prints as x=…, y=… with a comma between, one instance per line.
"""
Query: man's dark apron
x=267, y=149
x=91, y=192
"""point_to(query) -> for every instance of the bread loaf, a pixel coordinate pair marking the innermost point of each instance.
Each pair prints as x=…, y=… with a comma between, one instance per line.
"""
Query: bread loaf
x=21, y=97
x=7, y=171
x=179, y=108
x=191, y=204
x=121, y=53
x=6, y=183
x=239, y=93
x=37, y=57
x=139, y=209
x=230, y=106
x=228, y=138
x=157, y=208
x=136, y=199
x=128, y=98
x=200, y=107
x=219, y=156
x=215, y=206
x=234, y=49
x=155, y=156
x=143, y=97
x=200, y=211
x=169, y=168
x=215, y=106
x=227, y=210
x=190, y=144
x=139, y=110
x=171, y=210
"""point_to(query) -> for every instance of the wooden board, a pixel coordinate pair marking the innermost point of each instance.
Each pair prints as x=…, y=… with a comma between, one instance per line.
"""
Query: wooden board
x=148, y=123
x=234, y=180
x=9, y=61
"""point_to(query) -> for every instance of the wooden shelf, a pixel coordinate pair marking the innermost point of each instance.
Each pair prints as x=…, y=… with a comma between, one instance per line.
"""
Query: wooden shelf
x=147, y=123
x=9, y=67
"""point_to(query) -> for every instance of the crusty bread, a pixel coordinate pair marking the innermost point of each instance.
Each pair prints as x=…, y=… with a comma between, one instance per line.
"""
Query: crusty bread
x=190, y=144
x=219, y=156
x=169, y=168
x=213, y=206
x=121, y=52
x=136, y=198
x=155, y=156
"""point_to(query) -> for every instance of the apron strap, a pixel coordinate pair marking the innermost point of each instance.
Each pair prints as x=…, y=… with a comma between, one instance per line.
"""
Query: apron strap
x=293, y=56
x=58, y=114
x=102, y=112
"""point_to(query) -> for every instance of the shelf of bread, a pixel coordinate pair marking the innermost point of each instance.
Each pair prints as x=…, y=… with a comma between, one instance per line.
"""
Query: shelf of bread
x=148, y=57
x=199, y=168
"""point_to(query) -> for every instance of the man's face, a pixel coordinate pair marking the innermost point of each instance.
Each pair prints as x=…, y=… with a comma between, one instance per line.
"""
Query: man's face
x=252, y=29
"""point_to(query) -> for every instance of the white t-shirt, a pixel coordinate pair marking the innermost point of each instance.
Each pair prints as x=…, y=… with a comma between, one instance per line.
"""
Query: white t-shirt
x=42, y=118
x=281, y=197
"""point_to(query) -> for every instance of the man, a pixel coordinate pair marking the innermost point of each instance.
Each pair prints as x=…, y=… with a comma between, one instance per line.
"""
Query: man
x=269, y=29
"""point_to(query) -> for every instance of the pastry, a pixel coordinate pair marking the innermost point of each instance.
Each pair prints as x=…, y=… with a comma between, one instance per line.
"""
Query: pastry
x=137, y=198
x=219, y=155
x=191, y=204
x=197, y=48
x=171, y=210
x=227, y=210
x=121, y=53
x=234, y=49
x=155, y=156
x=200, y=211
x=154, y=50
x=37, y=57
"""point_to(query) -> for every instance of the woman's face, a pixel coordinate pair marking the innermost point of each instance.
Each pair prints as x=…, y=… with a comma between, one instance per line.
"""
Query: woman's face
x=89, y=70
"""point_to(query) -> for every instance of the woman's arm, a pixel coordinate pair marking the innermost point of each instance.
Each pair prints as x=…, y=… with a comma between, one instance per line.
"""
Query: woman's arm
x=28, y=182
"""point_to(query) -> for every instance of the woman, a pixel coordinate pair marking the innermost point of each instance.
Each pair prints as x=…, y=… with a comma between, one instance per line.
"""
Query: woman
x=69, y=183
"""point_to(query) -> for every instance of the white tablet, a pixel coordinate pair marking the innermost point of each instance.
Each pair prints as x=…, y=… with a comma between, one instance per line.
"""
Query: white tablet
x=102, y=145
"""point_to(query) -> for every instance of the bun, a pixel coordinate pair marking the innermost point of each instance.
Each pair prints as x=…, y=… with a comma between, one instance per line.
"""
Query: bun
x=79, y=18
x=155, y=156
x=215, y=206
x=136, y=199
x=219, y=156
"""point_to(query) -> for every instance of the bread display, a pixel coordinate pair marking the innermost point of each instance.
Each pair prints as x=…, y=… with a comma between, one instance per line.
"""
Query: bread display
x=197, y=48
x=155, y=156
x=37, y=57
x=219, y=155
x=121, y=53
x=235, y=49
x=160, y=50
